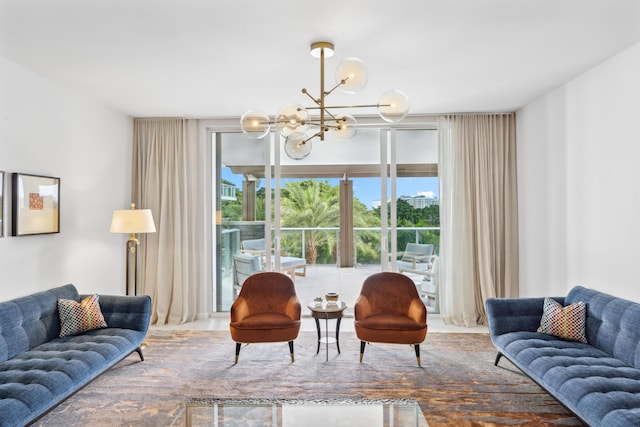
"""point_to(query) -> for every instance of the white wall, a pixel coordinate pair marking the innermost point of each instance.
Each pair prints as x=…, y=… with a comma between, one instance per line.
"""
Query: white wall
x=579, y=183
x=48, y=129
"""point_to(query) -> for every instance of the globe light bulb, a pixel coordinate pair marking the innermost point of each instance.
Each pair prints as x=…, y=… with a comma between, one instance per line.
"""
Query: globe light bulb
x=345, y=128
x=255, y=124
x=393, y=105
x=296, y=146
x=353, y=73
x=292, y=118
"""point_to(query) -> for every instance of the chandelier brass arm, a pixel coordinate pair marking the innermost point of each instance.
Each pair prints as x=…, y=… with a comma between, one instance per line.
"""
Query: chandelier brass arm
x=349, y=106
x=295, y=123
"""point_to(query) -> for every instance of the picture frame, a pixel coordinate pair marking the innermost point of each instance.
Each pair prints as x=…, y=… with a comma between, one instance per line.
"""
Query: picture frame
x=2, y=204
x=35, y=204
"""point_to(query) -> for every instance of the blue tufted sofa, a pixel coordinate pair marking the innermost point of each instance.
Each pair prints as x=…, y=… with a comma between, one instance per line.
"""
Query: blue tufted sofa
x=598, y=381
x=38, y=370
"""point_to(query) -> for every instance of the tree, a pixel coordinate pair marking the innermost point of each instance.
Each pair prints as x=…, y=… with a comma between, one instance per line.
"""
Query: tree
x=367, y=242
x=429, y=216
x=232, y=209
x=407, y=215
x=311, y=204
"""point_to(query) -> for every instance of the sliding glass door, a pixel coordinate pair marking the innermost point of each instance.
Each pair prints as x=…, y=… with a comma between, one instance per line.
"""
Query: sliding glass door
x=359, y=215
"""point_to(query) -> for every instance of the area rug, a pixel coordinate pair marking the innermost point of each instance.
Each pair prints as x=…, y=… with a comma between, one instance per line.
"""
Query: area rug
x=457, y=385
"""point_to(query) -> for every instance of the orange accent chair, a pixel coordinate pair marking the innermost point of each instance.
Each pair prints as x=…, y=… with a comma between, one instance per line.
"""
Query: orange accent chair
x=389, y=310
x=266, y=310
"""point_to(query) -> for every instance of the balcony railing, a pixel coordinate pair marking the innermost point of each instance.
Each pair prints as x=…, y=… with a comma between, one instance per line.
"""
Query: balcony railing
x=367, y=250
x=366, y=240
x=294, y=243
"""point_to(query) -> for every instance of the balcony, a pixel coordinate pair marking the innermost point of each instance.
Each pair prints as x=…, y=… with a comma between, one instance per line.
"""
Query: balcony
x=227, y=192
x=325, y=276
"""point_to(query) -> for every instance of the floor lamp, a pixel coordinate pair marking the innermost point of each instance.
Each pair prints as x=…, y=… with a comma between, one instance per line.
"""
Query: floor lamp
x=132, y=221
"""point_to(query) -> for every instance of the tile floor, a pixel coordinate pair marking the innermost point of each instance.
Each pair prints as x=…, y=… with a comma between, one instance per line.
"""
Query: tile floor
x=318, y=281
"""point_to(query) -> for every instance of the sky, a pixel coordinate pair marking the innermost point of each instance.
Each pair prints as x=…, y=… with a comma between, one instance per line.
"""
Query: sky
x=367, y=190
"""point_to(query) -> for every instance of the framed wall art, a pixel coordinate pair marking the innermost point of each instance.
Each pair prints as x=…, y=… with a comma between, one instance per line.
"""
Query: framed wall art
x=35, y=204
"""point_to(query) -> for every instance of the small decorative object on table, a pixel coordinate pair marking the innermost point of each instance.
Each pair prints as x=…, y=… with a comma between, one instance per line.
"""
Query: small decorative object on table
x=317, y=301
x=331, y=297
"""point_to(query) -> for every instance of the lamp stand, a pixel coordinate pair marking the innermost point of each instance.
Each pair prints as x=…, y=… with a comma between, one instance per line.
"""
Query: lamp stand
x=132, y=265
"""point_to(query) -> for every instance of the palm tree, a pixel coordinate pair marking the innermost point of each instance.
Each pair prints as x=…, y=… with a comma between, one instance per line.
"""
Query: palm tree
x=367, y=242
x=311, y=204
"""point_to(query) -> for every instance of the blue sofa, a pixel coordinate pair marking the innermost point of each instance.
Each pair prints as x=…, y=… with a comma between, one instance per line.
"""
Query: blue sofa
x=38, y=370
x=598, y=381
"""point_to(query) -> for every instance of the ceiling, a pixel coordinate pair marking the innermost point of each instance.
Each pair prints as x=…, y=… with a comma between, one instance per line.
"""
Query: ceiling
x=205, y=58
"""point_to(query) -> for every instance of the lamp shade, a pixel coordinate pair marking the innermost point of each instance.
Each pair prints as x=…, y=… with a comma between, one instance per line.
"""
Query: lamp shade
x=131, y=221
x=393, y=105
x=353, y=73
x=345, y=128
x=255, y=124
x=292, y=118
x=297, y=146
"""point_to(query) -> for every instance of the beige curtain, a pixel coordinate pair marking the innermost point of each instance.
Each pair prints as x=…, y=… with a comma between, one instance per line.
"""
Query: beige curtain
x=164, y=152
x=479, y=214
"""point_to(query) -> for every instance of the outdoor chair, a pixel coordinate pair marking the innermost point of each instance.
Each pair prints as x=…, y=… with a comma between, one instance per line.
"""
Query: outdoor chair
x=244, y=265
x=267, y=310
x=293, y=266
x=253, y=246
x=389, y=310
x=416, y=258
x=428, y=287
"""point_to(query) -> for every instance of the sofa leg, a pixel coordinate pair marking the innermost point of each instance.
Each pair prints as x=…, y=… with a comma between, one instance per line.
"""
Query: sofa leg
x=291, y=350
x=362, y=346
x=498, y=356
x=139, y=351
x=417, y=347
x=238, y=346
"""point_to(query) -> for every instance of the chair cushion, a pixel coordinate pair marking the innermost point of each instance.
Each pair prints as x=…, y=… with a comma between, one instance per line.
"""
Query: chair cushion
x=265, y=328
x=390, y=322
x=266, y=321
x=254, y=245
x=290, y=262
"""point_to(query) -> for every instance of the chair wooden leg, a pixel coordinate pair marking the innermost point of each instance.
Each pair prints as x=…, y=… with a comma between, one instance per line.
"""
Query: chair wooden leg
x=291, y=350
x=417, y=347
x=238, y=345
x=362, y=346
x=498, y=357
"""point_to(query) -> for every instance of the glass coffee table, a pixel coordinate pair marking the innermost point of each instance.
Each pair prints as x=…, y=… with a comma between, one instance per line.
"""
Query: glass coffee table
x=302, y=412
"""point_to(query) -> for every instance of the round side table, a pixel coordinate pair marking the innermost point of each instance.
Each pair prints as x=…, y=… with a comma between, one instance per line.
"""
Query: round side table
x=327, y=310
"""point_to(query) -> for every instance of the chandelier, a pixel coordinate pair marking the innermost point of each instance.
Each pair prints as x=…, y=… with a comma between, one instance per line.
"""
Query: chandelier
x=297, y=125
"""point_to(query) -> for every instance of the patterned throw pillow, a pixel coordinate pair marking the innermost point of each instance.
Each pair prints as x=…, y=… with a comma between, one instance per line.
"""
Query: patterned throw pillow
x=564, y=322
x=77, y=317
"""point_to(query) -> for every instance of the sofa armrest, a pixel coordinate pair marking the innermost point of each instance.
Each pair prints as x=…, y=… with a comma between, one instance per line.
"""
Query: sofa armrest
x=515, y=314
x=126, y=312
